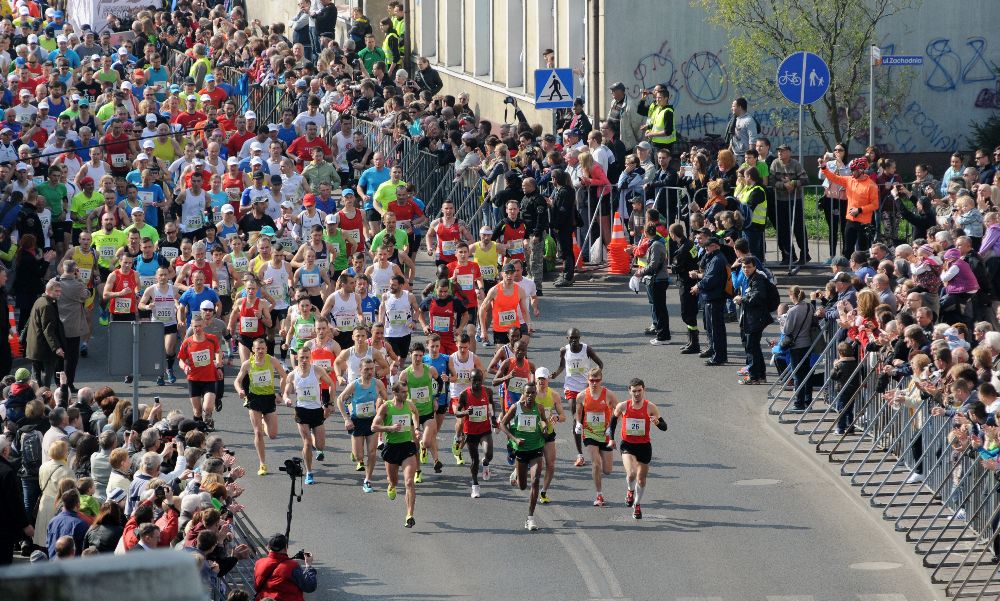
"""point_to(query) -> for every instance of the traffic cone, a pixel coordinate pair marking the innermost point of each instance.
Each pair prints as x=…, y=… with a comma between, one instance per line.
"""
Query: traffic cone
x=618, y=259
x=13, y=339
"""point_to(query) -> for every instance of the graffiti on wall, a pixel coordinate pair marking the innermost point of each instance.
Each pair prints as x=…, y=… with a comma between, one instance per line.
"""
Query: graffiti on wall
x=950, y=68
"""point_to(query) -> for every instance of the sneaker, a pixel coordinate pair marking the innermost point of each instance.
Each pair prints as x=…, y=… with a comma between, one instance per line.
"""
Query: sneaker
x=171, y=377
x=437, y=466
x=637, y=512
x=159, y=380
x=459, y=460
x=423, y=455
x=419, y=477
x=629, y=498
x=580, y=461
x=218, y=404
x=538, y=292
x=486, y=343
x=320, y=456
x=262, y=470
x=915, y=478
x=354, y=458
x=210, y=424
x=529, y=524
x=456, y=448
x=562, y=283
x=513, y=478
x=391, y=493
x=599, y=501
x=128, y=379
x=475, y=491
x=743, y=371
x=960, y=515
x=360, y=467
x=366, y=487
x=105, y=317
x=84, y=351
x=658, y=342
x=486, y=473
x=510, y=455
x=410, y=522
x=310, y=479
x=543, y=498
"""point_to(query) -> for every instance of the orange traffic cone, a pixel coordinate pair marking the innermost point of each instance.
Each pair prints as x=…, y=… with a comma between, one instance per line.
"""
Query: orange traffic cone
x=13, y=339
x=618, y=259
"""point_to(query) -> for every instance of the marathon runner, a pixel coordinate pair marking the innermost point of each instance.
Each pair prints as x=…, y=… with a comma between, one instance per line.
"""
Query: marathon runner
x=421, y=386
x=475, y=410
x=461, y=364
x=344, y=308
x=121, y=291
x=595, y=415
x=512, y=376
x=396, y=418
x=549, y=400
x=255, y=384
x=636, y=414
x=200, y=357
x=446, y=314
x=161, y=300
x=348, y=363
x=507, y=305
x=527, y=438
x=444, y=234
x=577, y=359
x=486, y=254
x=439, y=361
x=310, y=411
x=364, y=395
x=250, y=317
x=397, y=313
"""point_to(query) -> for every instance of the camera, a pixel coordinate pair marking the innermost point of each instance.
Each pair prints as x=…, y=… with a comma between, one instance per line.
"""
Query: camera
x=292, y=467
x=509, y=100
x=232, y=454
x=160, y=493
x=300, y=555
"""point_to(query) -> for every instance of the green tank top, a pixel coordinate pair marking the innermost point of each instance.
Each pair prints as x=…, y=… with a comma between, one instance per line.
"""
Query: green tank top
x=337, y=240
x=398, y=415
x=418, y=390
x=304, y=331
x=261, y=377
x=527, y=427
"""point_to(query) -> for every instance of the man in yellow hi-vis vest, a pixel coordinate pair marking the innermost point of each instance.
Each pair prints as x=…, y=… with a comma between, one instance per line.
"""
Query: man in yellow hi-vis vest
x=392, y=46
x=659, y=128
x=755, y=199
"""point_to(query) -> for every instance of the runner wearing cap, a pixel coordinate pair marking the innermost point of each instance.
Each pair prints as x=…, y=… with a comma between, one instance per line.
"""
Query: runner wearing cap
x=507, y=305
x=524, y=424
x=255, y=383
x=161, y=300
x=636, y=415
x=549, y=400
x=334, y=238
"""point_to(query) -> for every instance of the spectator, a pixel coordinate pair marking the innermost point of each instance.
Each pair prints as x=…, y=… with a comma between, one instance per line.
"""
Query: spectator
x=742, y=128
x=755, y=316
x=623, y=111
x=51, y=473
x=46, y=339
x=67, y=523
x=655, y=276
x=713, y=289
x=788, y=177
x=280, y=577
x=15, y=525
x=108, y=526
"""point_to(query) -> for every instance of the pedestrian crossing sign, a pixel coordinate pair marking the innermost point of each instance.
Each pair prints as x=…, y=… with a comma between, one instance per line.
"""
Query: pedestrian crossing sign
x=553, y=88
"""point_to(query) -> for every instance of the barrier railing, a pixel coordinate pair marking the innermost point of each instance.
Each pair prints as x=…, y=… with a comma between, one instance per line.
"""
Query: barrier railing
x=593, y=203
x=245, y=532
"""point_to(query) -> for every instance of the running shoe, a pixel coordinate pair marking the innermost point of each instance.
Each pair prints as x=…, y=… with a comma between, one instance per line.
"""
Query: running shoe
x=105, y=317
x=210, y=424
x=580, y=461
x=159, y=380
x=320, y=456
x=637, y=512
x=629, y=498
x=543, y=498
x=486, y=472
x=262, y=470
x=423, y=455
x=419, y=477
x=366, y=486
x=475, y=491
x=513, y=478
x=360, y=467
x=437, y=466
x=456, y=448
x=171, y=377
x=487, y=343
x=310, y=479
x=529, y=524
x=410, y=522
x=218, y=404
x=354, y=458
x=391, y=492
x=743, y=371
x=599, y=501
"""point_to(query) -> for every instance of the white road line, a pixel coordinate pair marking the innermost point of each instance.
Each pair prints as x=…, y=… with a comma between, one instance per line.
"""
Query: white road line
x=882, y=597
x=699, y=598
x=608, y=586
x=791, y=598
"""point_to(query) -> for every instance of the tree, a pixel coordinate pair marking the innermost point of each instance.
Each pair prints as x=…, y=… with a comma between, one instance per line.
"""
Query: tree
x=764, y=32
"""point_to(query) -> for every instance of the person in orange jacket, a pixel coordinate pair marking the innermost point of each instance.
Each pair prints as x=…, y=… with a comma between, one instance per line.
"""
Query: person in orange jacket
x=862, y=202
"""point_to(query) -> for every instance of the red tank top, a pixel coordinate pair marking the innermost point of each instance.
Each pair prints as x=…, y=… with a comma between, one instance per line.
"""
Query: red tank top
x=466, y=277
x=233, y=187
x=513, y=237
x=635, y=423
x=324, y=357
x=124, y=305
x=596, y=414
x=447, y=238
x=477, y=422
x=522, y=375
x=505, y=313
x=353, y=229
x=250, y=325
x=442, y=319
x=116, y=148
x=206, y=269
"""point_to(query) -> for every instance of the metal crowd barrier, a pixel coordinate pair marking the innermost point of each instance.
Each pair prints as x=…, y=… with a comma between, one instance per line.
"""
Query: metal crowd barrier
x=245, y=532
x=588, y=203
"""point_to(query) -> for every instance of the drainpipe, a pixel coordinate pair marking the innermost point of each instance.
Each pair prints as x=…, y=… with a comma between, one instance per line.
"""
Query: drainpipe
x=597, y=90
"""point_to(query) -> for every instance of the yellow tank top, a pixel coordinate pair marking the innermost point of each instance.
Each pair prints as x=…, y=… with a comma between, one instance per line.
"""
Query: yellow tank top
x=548, y=402
x=85, y=262
x=164, y=150
x=488, y=260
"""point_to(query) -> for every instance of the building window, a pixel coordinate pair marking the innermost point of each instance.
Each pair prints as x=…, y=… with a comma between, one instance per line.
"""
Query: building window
x=450, y=24
x=515, y=44
x=427, y=14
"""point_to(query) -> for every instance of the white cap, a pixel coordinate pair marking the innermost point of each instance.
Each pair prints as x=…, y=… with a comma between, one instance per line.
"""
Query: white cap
x=148, y=144
x=32, y=39
x=43, y=105
x=142, y=157
x=95, y=57
x=232, y=161
x=287, y=204
x=192, y=97
x=61, y=39
x=543, y=372
x=126, y=85
x=74, y=97
x=199, y=163
x=23, y=10
x=331, y=218
x=123, y=51
x=150, y=117
x=22, y=167
x=251, y=115
x=228, y=208
x=207, y=304
x=256, y=161
x=256, y=146
x=272, y=127
x=137, y=210
x=205, y=98
x=24, y=93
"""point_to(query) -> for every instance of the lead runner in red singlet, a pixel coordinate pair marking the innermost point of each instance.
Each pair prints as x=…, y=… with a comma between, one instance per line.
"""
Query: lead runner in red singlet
x=636, y=415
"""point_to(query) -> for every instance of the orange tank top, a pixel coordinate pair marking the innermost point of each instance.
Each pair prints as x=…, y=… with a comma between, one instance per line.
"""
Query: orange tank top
x=505, y=314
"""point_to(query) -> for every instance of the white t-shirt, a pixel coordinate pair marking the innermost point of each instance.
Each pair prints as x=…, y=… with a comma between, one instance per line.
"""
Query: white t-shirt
x=528, y=285
x=344, y=143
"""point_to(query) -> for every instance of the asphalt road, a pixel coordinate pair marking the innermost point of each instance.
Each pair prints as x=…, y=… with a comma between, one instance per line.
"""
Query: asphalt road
x=733, y=509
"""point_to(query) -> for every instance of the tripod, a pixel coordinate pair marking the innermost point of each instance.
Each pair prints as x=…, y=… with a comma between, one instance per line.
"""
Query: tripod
x=294, y=473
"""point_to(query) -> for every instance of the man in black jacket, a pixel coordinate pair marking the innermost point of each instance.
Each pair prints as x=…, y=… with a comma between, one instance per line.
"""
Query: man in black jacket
x=563, y=224
x=683, y=261
x=754, y=318
x=665, y=176
x=325, y=20
x=712, y=289
x=15, y=525
x=427, y=77
x=535, y=214
x=6, y=360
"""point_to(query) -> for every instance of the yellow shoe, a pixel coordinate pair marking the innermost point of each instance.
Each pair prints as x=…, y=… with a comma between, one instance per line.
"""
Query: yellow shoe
x=262, y=470
x=543, y=498
x=360, y=467
x=419, y=477
x=391, y=492
x=423, y=455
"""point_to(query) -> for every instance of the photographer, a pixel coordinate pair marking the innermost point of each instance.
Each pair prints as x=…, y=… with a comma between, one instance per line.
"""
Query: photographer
x=280, y=576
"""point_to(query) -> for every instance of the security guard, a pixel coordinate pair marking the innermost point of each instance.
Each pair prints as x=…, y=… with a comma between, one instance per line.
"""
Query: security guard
x=659, y=128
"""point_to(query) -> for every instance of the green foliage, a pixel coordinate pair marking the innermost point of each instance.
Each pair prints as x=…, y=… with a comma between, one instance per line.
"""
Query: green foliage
x=764, y=32
x=986, y=134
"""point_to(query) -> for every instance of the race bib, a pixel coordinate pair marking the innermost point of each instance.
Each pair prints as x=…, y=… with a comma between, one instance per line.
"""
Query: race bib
x=403, y=224
x=201, y=358
x=324, y=363
x=123, y=305
x=507, y=318
x=466, y=281
x=517, y=385
x=635, y=427
x=308, y=393
x=164, y=314
x=276, y=292
x=310, y=280
x=595, y=419
x=119, y=160
x=576, y=368
x=369, y=317
x=383, y=290
x=85, y=275
x=489, y=272
x=440, y=323
x=145, y=281
x=286, y=243
x=241, y=264
x=515, y=247
x=477, y=413
x=106, y=252
x=352, y=236
x=323, y=265
x=403, y=420
x=419, y=394
x=398, y=318
x=193, y=222
x=527, y=422
x=169, y=252
x=234, y=193
x=248, y=324
x=305, y=331
x=262, y=378
x=222, y=287
x=464, y=376
x=346, y=323
x=447, y=247
x=365, y=409
x=146, y=198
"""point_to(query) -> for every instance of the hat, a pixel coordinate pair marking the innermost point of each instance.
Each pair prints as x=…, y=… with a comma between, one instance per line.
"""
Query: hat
x=859, y=163
x=6, y=130
x=75, y=97
x=43, y=105
x=95, y=57
x=256, y=161
x=209, y=77
x=843, y=277
x=23, y=10
x=139, y=73
x=251, y=115
x=116, y=495
x=84, y=102
x=267, y=230
x=32, y=39
x=58, y=14
x=24, y=167
x=259, y=175
x=123, y=51
x=24, y=93
x=191, y=97
x=148, y=144
x=276, y=179
x=126, y=85
x=287, y=204
x=645, y=145
x=61, y=39
x=618, y=86
x=150, y=117
x=37, y=556
x=543, y=372
x=331, y=218
x=486, y=230
x=142, y=156
x=950, y=254
x=272, y=127
x=232, y=161
x=205, y=98
x=277, y=542
x=509, y=267
x=22, y=375
x=20, y=61
x=840, y=261
x=174, y=88
x=309, y=200
x=206, y=304
x=228, y=208
x=572, y=132
x=301, y=83
x=784, y=147
x=347, y=192
x=198, y=163
x=137, y=210
x=926, y=249
x=86, y=180
x=256, y=146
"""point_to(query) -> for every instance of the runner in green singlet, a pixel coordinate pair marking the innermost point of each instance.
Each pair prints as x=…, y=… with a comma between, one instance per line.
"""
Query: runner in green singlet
x=421, y=388
x=524, y=424
x=256, y=385
x=396, y=419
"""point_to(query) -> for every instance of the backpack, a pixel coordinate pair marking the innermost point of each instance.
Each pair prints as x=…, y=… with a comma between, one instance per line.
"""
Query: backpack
x=31, y=452
x=729, y=290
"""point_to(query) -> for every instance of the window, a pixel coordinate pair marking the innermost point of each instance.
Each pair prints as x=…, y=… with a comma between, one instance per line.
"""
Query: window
x=450, y=24
x=514, y=57
x=541, y=14
x=427, y=15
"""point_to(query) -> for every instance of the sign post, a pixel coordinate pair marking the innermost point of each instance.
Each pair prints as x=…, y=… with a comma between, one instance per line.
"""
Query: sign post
x=553, y=88
x=125, y=338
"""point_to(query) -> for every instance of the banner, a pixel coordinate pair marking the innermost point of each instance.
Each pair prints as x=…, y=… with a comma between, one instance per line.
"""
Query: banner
x=95, y=12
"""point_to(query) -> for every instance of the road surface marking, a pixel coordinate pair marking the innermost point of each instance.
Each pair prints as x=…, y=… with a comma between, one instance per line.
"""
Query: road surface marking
x=874, y=566
x=757, y=482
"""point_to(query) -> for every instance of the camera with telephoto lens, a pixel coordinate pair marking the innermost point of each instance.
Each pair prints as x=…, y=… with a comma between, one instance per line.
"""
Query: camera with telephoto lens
x=292, y=467
x=300, y=555
x=509, y=100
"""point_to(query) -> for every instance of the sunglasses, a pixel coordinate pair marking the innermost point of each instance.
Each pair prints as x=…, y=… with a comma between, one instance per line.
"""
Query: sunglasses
x=594, y=379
